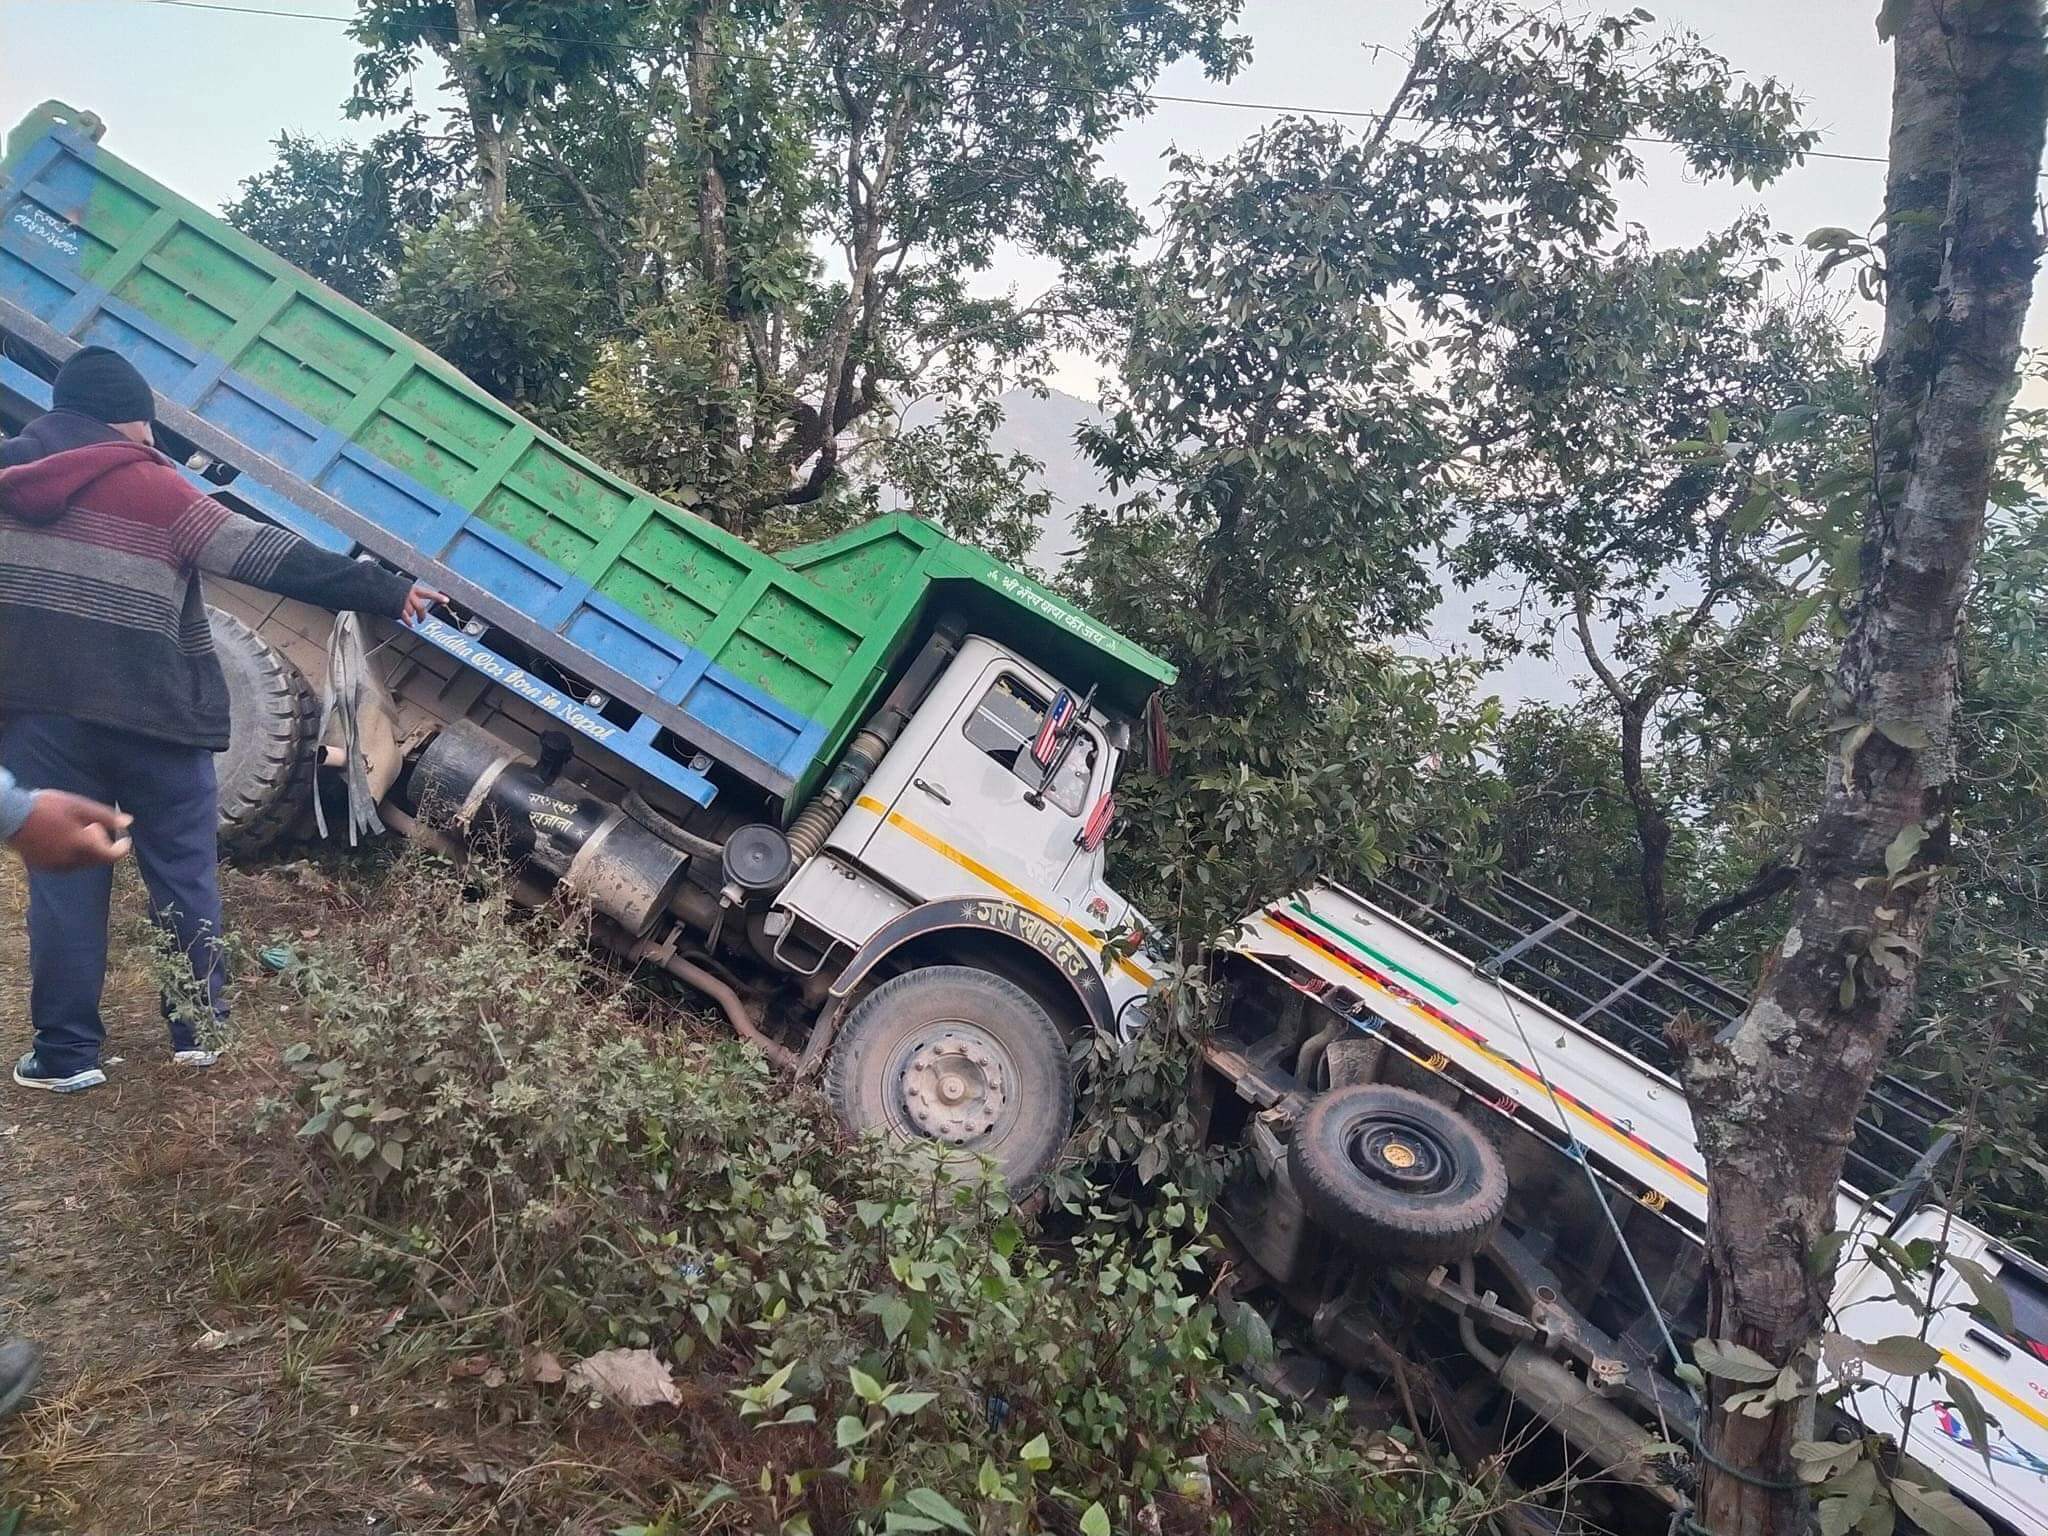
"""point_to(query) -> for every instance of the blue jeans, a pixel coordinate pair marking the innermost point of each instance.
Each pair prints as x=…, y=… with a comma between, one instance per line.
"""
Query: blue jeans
x=170, y=792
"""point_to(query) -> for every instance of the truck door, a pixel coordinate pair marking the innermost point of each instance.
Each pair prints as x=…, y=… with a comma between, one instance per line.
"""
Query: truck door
x=2006, y=1372
x=978, y=814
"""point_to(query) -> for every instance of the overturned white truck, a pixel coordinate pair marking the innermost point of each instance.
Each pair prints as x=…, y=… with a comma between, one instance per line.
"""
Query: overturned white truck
x=1462, y=1136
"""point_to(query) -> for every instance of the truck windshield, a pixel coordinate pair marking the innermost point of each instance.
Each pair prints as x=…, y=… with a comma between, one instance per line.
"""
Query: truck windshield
x=2029, y=1300
x=1003, y=725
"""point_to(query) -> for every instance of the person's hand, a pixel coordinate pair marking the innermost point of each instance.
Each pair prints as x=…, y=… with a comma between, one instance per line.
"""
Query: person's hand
x=418, y=602
x=66, y=832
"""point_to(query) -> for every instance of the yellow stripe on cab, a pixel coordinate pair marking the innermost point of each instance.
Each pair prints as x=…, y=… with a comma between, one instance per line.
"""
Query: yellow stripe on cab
x=980, y=871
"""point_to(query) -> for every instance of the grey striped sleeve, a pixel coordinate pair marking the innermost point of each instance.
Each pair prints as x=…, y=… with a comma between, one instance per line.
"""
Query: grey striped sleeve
x=278, y=560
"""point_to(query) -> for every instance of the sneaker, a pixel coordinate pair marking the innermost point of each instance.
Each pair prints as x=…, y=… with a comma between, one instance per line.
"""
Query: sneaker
x=20, y=1364
x=194, y=1057
x=29, y=1073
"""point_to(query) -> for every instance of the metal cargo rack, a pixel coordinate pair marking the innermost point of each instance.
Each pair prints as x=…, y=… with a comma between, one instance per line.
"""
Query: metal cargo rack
x=1629, y=994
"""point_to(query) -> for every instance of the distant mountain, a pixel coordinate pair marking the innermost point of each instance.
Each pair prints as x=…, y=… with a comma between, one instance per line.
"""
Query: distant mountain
x=1043, y=427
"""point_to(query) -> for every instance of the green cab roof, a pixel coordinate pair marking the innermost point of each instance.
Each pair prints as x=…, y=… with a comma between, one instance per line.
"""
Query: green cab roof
x=870, y=563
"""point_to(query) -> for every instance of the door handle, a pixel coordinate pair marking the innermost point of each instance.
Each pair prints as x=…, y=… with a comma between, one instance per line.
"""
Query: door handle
x=936, y=791
x=1984, y=1341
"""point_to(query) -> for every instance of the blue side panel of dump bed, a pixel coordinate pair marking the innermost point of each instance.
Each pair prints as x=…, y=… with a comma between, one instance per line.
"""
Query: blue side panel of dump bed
x=18, y=384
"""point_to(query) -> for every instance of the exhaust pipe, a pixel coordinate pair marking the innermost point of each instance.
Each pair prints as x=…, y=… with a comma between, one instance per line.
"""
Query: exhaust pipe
x=1591, y=1426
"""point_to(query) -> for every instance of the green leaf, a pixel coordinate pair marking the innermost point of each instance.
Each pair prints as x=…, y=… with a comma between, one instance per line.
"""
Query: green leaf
x=1793, y=421
x=1985, y=1288
x=896, y=1520
x=393, y=1154
x=1006, y=1236
x=895, y=1314
x=1095, y=1521
x=1717, y=426
x=1905, y=733
x=1752, y=515
x=988, y=1482
x=719, y=1493
x=1802, y=614
x=1820, y=1460
x=1937, y=1511
x=849, y=1432
x=868, y=1389
x=929, y=1502
x=1827, y=1252
x=1248, y=1337
x=802, y=1413
x=1732, y=1362
x=1902, y=1355
x=1902, y=848
x=1964, y=1396
x=1037, y=1453
x=902, y=1404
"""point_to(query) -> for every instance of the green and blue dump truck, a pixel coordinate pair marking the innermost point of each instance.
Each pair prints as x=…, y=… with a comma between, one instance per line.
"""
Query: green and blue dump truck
x=857, y=794
x=831, y=763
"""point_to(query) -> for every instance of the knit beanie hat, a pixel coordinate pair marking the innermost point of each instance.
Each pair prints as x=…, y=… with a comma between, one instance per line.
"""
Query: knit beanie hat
x=105, y=386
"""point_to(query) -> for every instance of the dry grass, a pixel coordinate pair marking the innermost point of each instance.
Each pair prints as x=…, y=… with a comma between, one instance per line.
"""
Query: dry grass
x=212, y=1370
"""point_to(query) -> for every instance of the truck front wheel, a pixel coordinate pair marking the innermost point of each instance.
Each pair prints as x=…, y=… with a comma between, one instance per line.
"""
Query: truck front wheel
x=957, y=1056
x=1389, y=1171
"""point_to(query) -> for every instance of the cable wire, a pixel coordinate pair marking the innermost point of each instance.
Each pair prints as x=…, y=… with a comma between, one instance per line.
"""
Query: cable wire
x=1156, y=97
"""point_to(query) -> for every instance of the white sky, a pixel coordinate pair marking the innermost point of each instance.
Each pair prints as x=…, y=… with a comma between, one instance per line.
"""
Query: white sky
x=195, y=98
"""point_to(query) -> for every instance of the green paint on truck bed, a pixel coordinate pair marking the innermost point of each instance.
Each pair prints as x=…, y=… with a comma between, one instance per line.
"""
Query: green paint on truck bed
x=817, y=631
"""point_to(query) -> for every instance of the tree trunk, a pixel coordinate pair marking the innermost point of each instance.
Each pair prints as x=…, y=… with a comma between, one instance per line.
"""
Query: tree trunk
x=1653, y=827
x=492, y=170
x=1775, y=1096
x=714, y=260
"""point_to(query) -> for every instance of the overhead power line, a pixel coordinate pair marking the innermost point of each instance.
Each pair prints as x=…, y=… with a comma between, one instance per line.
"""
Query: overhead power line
x=1157, y=97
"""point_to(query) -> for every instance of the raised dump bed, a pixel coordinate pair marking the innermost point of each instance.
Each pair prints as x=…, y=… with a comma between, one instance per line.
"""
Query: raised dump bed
x=354, y=433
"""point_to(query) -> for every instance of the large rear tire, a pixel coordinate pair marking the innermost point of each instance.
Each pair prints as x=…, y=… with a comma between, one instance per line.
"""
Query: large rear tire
x=1391, y=1172
x=266, y=774
x=960, y=1058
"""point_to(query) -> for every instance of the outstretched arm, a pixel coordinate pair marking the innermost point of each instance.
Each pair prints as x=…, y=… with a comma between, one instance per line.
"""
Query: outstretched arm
x=225, y=543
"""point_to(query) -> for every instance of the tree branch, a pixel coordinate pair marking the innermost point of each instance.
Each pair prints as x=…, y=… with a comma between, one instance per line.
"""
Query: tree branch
x=1408, y=81
x=1778, y=876
x=1582, y=618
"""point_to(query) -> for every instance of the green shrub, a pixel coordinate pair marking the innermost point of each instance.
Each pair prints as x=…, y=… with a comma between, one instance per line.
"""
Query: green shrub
x=490, y=1113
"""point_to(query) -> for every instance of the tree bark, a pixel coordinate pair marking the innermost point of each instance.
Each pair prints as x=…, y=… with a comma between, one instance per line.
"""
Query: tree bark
x=492, y=172
x=1653, y=825
x=721, y=421
x=1776, y=1095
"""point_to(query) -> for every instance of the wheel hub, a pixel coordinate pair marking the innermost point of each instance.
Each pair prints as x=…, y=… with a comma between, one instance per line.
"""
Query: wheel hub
x=1397, y=1154
x=954, y=1087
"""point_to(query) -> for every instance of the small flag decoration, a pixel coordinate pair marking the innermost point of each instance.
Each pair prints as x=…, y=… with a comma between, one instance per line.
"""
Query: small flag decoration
x=1047, y=743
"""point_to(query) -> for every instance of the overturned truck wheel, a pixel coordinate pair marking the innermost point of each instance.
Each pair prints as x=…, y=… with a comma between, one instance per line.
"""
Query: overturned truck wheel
x=959, y=1057
x=265, y=776
x=1391, y=1172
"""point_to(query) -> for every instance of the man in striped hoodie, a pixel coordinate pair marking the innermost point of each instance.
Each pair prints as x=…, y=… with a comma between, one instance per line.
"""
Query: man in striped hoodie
x=109, y=687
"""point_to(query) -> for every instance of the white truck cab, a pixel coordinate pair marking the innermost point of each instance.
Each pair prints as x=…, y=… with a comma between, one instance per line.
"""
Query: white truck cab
x=972, y=857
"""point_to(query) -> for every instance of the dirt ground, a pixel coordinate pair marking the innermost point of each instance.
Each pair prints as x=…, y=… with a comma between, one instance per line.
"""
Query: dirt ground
x=210, y=1369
